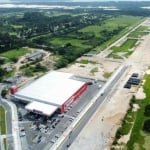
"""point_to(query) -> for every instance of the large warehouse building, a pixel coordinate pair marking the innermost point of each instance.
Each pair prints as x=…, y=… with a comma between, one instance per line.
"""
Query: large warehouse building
x=55, y=90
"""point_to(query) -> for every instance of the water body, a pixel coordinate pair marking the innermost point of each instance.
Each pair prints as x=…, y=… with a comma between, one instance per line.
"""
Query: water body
x=53, y=6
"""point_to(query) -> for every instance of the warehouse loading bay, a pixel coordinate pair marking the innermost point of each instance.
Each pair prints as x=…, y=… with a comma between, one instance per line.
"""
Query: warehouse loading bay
x=36, y=131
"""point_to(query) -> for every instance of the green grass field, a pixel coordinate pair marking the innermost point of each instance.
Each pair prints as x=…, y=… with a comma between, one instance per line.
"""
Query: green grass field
x=15, y=53
x=111, y=24
x=140, y=140
x=92, y=29
x=129, y=44
x=74, y=42
x=125, y=48
x=2, y=121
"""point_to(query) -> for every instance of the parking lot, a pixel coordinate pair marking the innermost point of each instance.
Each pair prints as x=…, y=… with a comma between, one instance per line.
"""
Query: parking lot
x=37, y=131
x=133, y=80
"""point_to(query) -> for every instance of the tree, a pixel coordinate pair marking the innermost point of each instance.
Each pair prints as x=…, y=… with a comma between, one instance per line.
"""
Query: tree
x=4, y=92
x=146, y=126
x=2, y=61
x=147, y=110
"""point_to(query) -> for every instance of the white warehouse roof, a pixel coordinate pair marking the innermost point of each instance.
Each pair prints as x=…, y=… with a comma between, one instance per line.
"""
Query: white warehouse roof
x=41, y=108
x=53, y=88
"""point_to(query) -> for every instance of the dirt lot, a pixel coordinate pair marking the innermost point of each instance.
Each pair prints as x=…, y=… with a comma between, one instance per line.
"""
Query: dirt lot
x=101, y=65
x=99, y=132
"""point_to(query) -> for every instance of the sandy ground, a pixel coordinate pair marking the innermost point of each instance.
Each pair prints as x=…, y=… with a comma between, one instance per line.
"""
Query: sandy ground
x=99, y=132
x=140, y=94
x=103, y=66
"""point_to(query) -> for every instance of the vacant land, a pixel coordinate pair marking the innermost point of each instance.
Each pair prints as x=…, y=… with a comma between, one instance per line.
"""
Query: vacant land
x=2, y=121
x=92, y=67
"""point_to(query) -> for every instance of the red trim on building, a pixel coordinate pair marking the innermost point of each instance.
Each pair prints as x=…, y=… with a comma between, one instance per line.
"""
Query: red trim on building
x=13, y=90
x=73, y=98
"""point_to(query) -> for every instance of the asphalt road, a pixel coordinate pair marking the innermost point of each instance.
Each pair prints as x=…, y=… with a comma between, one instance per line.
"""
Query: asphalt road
x=8, y=122
x=13, y=142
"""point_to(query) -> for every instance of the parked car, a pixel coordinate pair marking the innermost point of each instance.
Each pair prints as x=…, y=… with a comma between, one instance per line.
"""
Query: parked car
x=127, y=85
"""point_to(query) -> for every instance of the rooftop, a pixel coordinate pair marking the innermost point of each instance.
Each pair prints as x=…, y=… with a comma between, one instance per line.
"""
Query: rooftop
x=53, y=88
x=41, y=108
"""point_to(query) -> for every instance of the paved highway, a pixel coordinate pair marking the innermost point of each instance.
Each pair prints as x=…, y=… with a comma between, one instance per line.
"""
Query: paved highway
x=8, y=122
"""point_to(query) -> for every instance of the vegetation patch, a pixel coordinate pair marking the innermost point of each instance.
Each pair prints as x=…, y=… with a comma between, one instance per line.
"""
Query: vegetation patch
x=73, y=42
x=14, y=54
x=5, y=143
x=94, y=70
x=95, y=29
x=2, y=121
x=31, y=70
x=126, y=48
x=85, y=61
x=114, y=55
x=107, y=75
x=139, y=32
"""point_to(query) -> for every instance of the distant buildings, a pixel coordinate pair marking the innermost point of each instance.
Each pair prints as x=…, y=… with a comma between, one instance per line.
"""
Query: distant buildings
x=35, y=55
x=13, y=80
x=2, y=58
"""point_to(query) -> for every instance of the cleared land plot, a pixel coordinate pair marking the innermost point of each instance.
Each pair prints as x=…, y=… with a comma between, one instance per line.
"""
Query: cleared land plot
x=138, y=33
x=74, y=42
x=92, y=67
x=2, y=121
x=139, y=139
x=125, y=48
x=15, y=53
